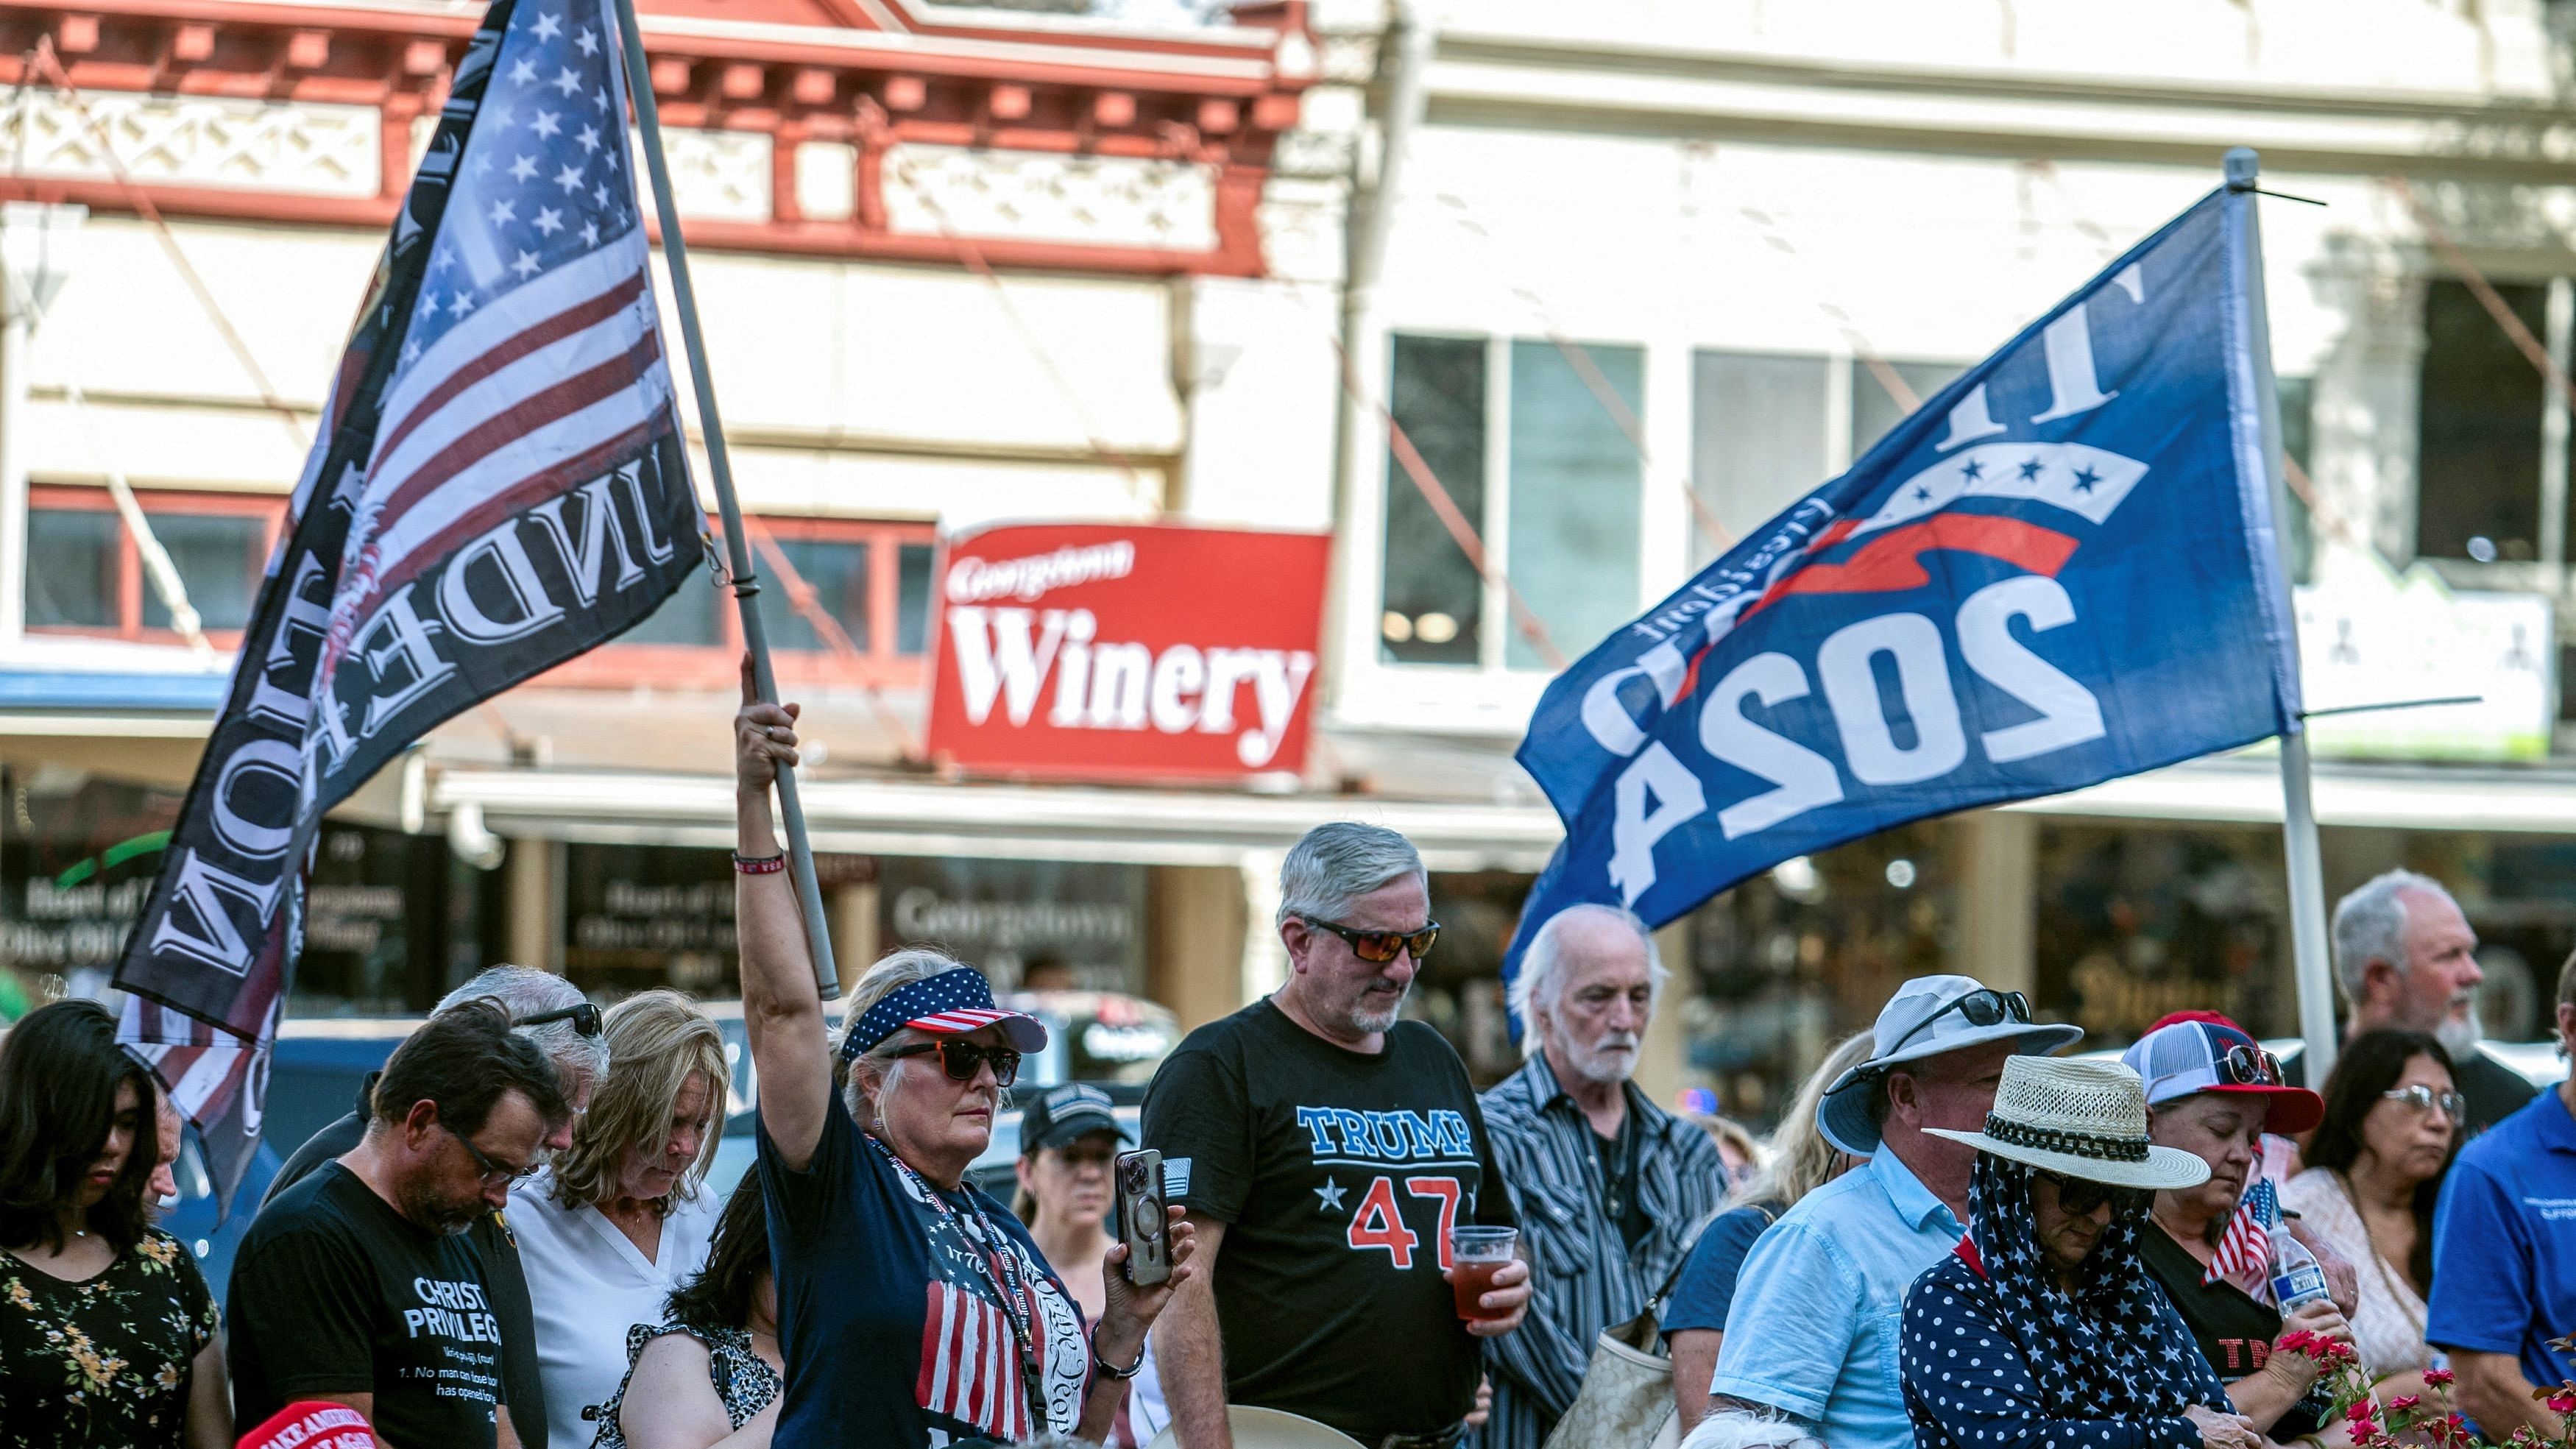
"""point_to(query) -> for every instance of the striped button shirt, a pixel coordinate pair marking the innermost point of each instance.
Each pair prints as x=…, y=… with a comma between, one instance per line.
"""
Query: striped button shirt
x=1586, y=1276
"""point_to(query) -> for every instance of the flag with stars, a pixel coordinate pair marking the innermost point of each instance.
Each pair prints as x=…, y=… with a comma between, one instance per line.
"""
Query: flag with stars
x=2059, y=570
x=499, y=486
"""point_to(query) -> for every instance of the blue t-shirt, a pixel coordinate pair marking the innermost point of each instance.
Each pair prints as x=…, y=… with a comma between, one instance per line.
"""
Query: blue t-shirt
x=2504, y=1242
x=1706, y=1287
x=891, y=1334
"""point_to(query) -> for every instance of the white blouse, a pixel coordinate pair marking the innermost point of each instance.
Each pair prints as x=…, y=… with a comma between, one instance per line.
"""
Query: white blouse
x=2388, y=1327
x=588, y=1284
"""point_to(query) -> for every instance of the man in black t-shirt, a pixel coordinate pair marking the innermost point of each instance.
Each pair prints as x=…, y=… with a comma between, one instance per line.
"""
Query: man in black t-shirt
x=1324, y=1150
x=359, y=1284
x=580, y=1058
x=2406, y=958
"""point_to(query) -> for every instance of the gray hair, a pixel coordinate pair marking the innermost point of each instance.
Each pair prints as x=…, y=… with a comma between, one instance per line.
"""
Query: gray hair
x=2370, y=925
x=1541, y=982
x=891, y=973
x=1338, y=862
x=524, y=991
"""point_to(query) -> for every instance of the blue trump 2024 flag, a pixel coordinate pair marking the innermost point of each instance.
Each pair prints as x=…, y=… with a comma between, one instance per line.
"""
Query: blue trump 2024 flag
x=2060, y=570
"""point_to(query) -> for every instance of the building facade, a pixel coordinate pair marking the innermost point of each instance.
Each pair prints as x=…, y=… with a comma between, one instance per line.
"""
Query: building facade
x=1626, y=278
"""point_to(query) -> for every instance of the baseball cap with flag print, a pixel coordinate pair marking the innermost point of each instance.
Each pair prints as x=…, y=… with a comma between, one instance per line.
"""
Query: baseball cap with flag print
x=952, y=1003
x=2202, y=1051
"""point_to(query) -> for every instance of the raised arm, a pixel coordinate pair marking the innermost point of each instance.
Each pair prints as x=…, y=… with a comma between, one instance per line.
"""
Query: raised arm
x=782, y=1011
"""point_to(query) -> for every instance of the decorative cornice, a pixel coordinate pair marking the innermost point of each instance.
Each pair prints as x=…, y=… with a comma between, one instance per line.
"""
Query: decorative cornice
x=1147, y=121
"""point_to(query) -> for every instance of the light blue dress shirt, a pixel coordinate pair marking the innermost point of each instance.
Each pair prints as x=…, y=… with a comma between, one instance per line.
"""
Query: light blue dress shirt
x=1817, y=1311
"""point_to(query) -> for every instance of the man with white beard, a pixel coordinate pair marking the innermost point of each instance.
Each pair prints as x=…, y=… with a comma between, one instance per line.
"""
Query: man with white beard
x=1607, y=1186
x=2407, y=959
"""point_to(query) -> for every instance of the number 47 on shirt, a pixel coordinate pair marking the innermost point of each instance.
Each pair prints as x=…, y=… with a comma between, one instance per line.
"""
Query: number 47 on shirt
x=1378, y=1223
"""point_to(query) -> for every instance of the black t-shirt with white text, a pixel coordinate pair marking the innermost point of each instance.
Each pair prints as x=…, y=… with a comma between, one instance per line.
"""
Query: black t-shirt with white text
x=333, y=1292
x=2234, y=1331
x=1337, y=1174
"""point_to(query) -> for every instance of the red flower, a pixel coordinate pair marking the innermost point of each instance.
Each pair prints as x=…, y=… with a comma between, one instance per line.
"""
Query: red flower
x=2563, y=1402
x=2362, y=1411
x=2405, y=1401
x=2437, y=1378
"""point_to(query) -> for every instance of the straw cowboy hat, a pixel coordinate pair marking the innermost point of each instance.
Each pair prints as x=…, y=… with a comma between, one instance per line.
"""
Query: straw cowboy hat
x=1273, y=1429
x=2080, y=1119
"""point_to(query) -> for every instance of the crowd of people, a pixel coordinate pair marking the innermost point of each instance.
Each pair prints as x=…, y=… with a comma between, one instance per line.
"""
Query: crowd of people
x=1958, y=1237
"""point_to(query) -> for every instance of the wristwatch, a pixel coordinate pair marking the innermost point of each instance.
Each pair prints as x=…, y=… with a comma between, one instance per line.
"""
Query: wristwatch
x=1105, y=1366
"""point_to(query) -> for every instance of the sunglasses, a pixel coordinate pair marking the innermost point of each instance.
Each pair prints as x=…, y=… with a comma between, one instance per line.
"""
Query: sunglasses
x=959, y=1058
x=2244, y=1066
x=2424, y=1099
x=1984, y=1006
x=1379, y=947
x=494, y=1170
x=2080, y=1197
x=584, y=1018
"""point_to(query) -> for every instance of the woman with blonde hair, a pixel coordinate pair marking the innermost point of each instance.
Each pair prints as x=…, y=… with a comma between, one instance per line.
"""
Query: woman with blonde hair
x=619, y=1219
x=1801, y=1160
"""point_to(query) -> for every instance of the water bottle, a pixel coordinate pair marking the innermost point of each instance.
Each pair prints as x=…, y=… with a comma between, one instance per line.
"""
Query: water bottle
x=2297, y=1277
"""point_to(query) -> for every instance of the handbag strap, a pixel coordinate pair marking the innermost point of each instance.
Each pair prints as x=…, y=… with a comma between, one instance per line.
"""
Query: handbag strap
x=1656, y=1300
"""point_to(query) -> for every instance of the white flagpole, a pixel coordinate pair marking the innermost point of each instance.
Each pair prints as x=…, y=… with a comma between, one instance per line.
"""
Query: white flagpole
x=746, y=584
x=2307, y=880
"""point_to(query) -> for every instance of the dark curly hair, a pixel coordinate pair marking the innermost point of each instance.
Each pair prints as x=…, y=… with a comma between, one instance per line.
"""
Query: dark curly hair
x=59, y=1071
x=2371, y=1064
x=721, y=1293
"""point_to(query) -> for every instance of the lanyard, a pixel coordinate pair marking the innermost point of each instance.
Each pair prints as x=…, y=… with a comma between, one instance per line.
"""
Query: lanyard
x=1000, y=1269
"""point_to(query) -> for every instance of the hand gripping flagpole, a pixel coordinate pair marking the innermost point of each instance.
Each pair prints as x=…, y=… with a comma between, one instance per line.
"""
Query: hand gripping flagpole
x=746, y=584
x=2298, y=811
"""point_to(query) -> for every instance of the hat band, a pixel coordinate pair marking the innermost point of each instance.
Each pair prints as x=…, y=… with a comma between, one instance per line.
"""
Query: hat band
x=2074, y=1144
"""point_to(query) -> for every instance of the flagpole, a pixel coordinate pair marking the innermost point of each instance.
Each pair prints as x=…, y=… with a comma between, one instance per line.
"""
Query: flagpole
x=2313, y=972
x=746, y=584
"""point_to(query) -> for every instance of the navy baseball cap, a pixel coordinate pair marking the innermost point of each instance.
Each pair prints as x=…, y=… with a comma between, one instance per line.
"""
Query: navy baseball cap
x=1061, y=1116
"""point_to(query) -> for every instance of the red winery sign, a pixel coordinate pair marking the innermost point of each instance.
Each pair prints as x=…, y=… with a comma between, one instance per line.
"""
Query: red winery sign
x=1128, y=650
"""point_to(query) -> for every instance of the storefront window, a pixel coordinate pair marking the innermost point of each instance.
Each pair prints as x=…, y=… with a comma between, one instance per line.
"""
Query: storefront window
x=1785, y=965
x=637, y=917
x=2136, y=921
x=1025, y=923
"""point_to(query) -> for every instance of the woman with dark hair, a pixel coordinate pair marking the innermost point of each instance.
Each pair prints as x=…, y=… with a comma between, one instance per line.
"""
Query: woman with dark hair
x=708, y=1375
x=2375, y=1166
x=107, y=1330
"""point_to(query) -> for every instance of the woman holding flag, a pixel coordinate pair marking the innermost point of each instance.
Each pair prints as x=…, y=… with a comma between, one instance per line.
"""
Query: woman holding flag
x=913, y=1309
x=2212, y=1091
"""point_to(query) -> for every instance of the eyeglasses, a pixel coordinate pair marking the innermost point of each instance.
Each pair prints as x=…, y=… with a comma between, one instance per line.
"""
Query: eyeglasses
x=2245, y=1066
x=584, y=1018
x=2080, y=1197
x=494, y=1170
x=2424, y=1099
x=1379, y=947
x=1984, y=1006
x=959, y=1058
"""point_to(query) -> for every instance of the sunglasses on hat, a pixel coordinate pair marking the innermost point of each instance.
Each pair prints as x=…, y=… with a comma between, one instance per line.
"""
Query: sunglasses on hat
x=959, y=1058
x=1984, y=1006
x=584, y=1018
x=2245, y=1066
x=1379, y=947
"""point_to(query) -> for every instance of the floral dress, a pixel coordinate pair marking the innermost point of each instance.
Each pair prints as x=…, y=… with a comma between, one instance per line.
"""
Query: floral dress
x=742, y=1378
x=103, y=1362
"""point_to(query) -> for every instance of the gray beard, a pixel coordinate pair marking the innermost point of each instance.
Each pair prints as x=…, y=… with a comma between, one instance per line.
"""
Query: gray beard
x=1602, y=1067
x=2460, y=1035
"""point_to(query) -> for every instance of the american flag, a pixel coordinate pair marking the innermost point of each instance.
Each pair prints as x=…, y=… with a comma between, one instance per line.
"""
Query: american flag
x=970, y=1364
x=2244, y=1255
x=498, y=487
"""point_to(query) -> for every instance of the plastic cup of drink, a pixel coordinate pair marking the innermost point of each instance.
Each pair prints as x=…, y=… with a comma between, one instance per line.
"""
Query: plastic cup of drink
x=1475, y=1255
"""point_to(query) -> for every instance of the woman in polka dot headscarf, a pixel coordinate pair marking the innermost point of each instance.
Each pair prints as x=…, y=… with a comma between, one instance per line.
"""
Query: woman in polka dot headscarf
x=2044, y=1330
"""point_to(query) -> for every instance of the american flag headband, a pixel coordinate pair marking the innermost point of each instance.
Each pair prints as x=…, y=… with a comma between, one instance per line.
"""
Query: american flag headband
x=955, y=1000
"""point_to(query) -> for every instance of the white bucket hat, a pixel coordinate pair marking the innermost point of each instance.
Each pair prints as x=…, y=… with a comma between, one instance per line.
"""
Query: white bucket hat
x=1930, y=1015
x=2081, y=1119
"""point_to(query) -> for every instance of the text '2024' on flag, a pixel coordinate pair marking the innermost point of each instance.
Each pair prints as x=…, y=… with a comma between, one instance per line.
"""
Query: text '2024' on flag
x=2060, y=570
x=499, y=486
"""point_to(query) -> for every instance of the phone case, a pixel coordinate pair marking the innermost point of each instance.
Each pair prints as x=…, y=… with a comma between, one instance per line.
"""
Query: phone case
x=1141, y=1225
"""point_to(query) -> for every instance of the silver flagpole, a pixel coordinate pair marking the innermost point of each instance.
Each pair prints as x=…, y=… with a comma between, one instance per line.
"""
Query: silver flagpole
x=2307, y=878
x=746, y=585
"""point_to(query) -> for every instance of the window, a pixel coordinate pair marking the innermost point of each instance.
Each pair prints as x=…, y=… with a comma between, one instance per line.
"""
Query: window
x=1757, y=436
x=86, y=575
x=1565, y=515
x=1433, y=600
x=2480, y=415
x=1875, y=408
x=873, y=580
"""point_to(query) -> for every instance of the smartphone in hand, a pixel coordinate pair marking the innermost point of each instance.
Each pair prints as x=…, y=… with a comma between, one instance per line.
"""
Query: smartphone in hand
x=1141, y=1224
